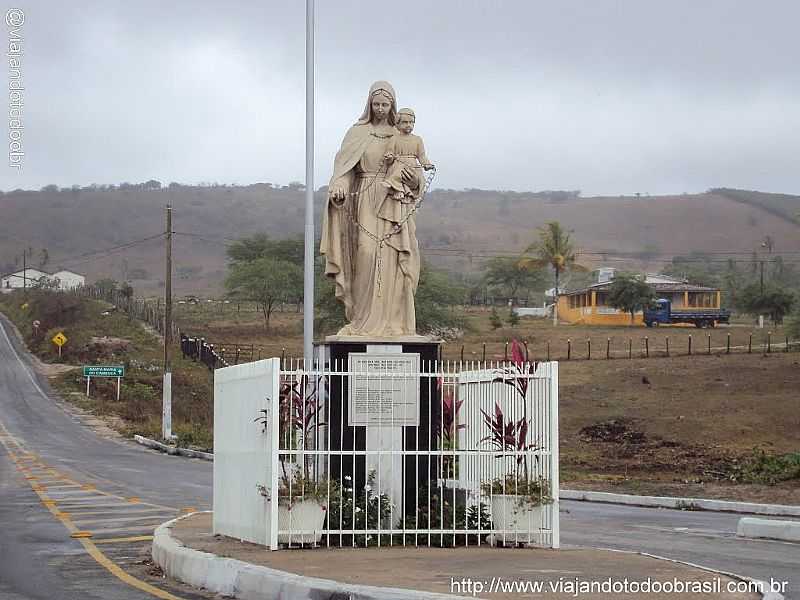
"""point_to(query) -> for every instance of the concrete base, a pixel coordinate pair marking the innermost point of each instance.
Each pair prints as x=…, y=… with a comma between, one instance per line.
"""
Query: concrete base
x=750, y=527
x=185, y=549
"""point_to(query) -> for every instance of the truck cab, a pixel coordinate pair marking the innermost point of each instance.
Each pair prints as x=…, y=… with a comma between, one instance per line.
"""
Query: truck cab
x=659, y=312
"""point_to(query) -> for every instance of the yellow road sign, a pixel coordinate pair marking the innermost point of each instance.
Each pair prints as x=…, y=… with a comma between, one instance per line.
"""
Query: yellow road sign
x=59, y=339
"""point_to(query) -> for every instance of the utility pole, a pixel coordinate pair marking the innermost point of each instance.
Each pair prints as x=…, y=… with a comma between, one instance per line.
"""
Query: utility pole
x=166, y=417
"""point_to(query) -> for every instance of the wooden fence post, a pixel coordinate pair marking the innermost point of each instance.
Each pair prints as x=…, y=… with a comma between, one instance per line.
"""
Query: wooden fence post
x=690, y=344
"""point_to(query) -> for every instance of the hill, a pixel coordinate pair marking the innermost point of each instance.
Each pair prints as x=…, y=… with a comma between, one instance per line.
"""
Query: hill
x=457, y=229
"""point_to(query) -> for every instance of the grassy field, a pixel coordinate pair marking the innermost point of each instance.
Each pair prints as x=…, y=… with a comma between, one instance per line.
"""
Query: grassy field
x=725, y=426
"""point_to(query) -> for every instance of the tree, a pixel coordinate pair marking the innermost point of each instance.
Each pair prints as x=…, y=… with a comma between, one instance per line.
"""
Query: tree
x=436, y=293
x=106, y=285
x=494, y=319
x=775, y=301
x=259, y=245
x=555, y=249
x=630, y=293
x=266, y=281
x=513, y=318
x=793, y=324
x=512, y=277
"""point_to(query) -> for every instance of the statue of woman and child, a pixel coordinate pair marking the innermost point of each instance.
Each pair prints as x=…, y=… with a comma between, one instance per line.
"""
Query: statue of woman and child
x=369, y=232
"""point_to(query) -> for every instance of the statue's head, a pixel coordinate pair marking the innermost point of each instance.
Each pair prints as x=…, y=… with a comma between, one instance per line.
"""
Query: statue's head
x=406, y=120
x=381, y=104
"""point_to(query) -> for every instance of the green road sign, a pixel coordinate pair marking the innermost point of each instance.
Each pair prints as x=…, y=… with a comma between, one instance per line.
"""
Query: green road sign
x=103, y=371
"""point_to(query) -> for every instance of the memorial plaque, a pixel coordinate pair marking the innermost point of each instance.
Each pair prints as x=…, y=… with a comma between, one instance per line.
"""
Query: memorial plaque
x=383, y=390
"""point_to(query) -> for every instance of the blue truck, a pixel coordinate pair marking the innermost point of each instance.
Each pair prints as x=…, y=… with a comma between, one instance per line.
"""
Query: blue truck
x=661, y=313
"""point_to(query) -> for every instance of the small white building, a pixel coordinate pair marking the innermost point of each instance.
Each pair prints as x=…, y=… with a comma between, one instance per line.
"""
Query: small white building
x=22, y=278
x=67, y=280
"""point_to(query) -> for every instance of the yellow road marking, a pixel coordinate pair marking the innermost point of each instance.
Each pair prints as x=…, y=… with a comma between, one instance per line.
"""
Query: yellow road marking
x=80, y=534
x=119, y=540
x=87, y=543
x=120, y=519
x=129, y=510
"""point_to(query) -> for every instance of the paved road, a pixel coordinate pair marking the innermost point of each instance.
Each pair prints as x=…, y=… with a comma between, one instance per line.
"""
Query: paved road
x=59, y=478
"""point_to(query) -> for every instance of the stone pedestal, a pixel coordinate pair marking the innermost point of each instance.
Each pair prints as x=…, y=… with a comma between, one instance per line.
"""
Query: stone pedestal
x=353, y=419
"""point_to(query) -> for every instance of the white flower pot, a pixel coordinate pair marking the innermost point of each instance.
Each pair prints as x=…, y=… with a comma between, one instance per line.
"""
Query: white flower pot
x=301, y=522
x=515, y=522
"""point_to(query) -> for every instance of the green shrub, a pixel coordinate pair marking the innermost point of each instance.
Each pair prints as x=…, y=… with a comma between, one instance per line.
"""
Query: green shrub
x=769, y=469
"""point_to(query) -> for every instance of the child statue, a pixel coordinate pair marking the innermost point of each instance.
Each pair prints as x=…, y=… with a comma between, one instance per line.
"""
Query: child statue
x=404, y=150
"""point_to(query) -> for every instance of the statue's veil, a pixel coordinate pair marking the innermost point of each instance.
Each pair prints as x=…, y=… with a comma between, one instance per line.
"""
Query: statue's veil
x=379, y=87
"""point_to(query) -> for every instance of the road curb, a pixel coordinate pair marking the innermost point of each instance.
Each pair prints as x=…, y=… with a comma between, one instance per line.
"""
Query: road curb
x=750, y=508
x=172, y=450
x=239, y=579
x=787, y=531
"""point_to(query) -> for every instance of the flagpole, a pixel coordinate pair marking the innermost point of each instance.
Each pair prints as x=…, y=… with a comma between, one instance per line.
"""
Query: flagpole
x=308, y=270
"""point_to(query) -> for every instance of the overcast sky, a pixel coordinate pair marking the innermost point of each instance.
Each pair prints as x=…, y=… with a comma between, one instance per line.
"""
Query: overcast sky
x=609, y=97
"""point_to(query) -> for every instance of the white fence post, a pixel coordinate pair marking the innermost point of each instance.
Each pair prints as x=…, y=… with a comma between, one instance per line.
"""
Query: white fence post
x=554, y=457
x=274, y=424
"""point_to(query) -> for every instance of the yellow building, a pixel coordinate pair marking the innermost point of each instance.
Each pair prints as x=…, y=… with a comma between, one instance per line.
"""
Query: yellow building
x=590, y=305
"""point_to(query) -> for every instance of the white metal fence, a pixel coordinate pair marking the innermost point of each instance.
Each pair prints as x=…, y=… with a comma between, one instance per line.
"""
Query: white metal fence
x=380, y=450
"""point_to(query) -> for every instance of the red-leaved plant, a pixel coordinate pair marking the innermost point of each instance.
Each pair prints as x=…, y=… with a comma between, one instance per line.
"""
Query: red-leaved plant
x=508, y=436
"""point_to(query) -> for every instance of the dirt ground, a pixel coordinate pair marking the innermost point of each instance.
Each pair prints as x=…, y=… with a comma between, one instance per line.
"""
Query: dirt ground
x=226, y=325
x=679, y=425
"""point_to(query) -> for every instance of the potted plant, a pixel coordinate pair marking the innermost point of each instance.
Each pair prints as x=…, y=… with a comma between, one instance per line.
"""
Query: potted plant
x=518, y=507
x=302, y=495
x=518, y=499
x=302, y=507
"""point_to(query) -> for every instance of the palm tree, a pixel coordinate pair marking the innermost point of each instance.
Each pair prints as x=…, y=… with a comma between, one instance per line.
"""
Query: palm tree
x=555, y=249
